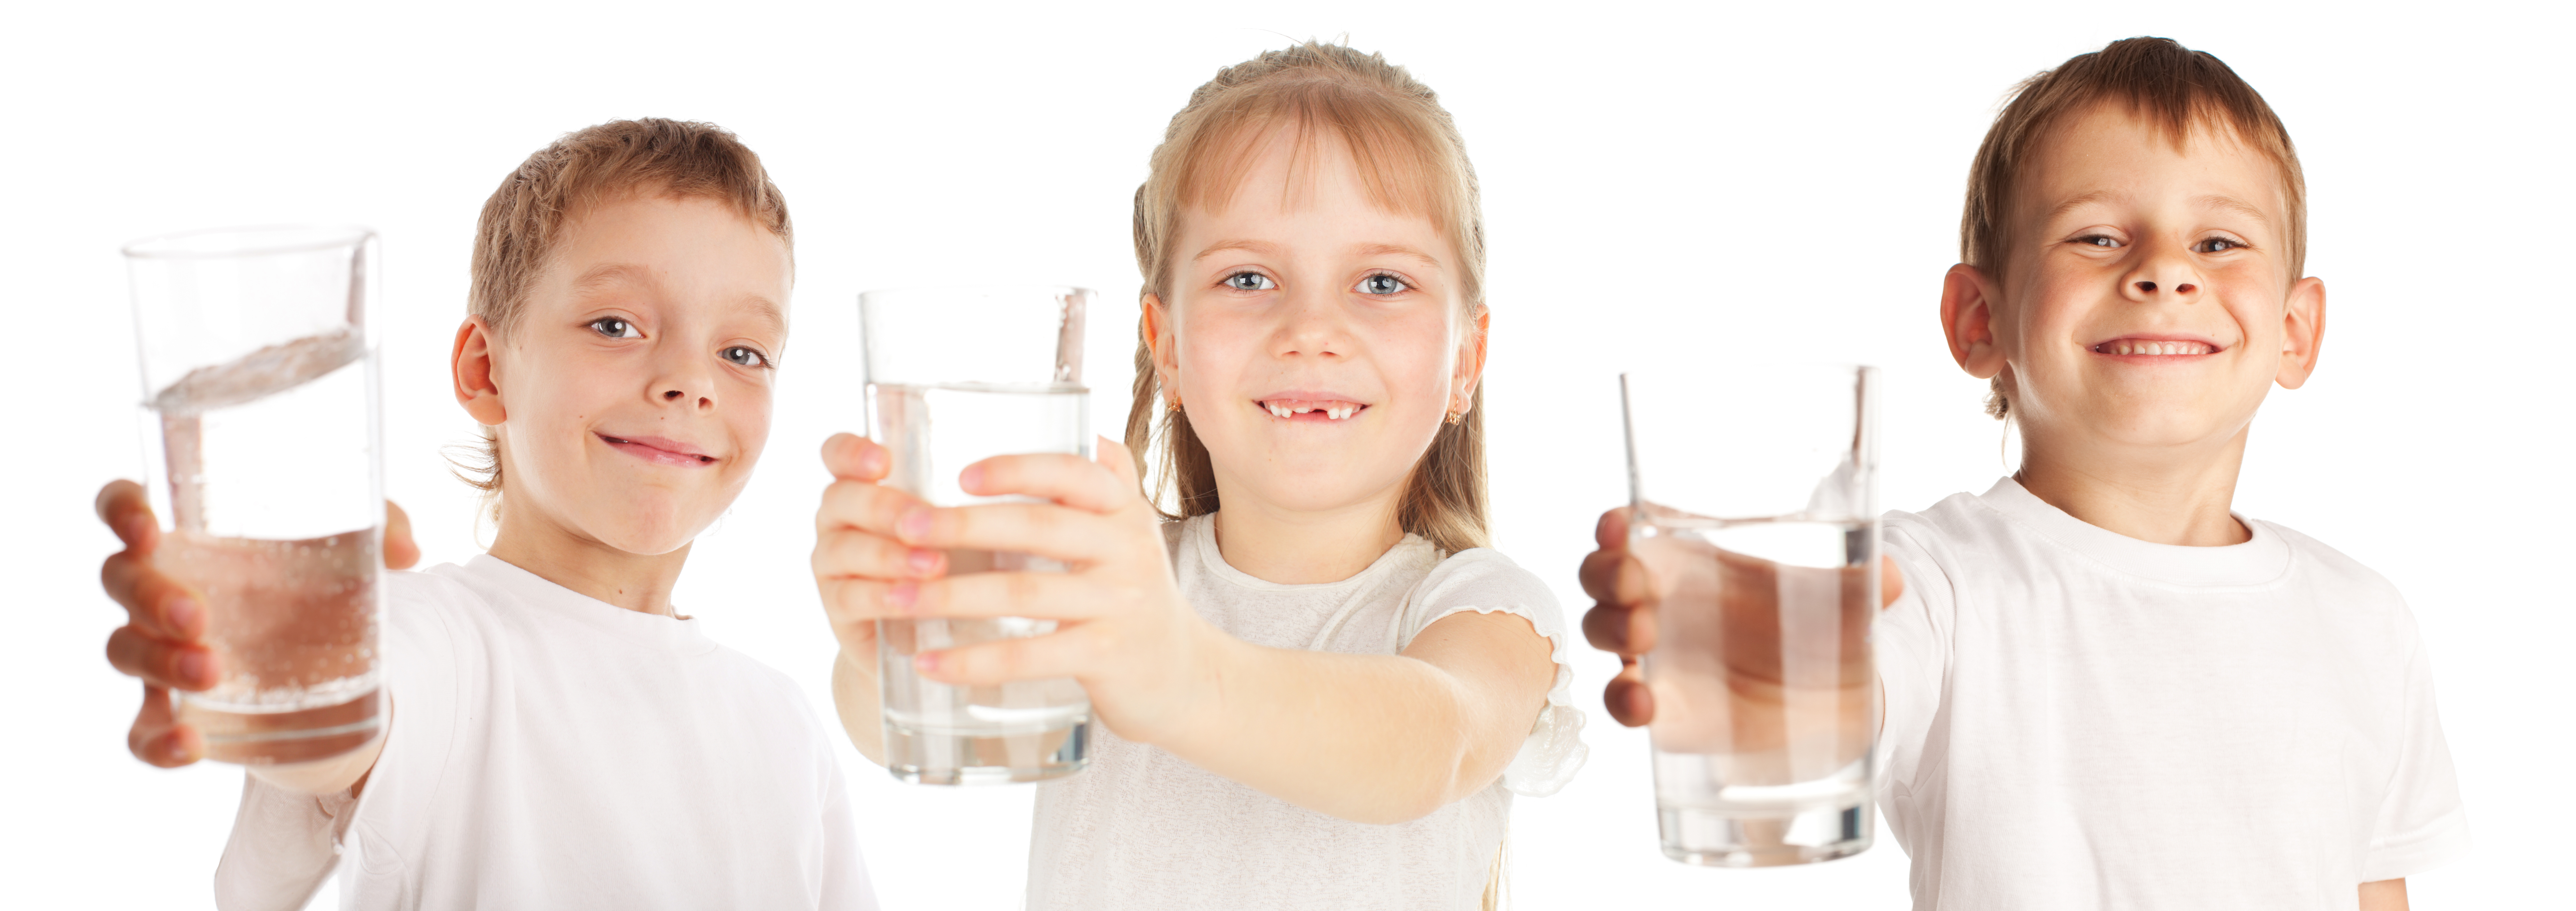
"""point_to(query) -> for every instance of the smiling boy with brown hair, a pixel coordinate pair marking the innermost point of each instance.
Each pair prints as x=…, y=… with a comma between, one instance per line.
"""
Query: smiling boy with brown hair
x=560, y=737
x=2103, y=688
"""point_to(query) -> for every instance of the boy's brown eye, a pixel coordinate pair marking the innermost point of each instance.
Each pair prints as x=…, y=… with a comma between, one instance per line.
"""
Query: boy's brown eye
x=744, y=357
x=614, y=328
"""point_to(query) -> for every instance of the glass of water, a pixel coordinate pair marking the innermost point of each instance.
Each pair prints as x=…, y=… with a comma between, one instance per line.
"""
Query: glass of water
x=955, y=376
x=1753, y=498
x=260, y=424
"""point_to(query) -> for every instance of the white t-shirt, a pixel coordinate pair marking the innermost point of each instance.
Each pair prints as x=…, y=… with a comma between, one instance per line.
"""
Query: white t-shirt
x=2078, y=719
x=1144, y=829
x=549, y=750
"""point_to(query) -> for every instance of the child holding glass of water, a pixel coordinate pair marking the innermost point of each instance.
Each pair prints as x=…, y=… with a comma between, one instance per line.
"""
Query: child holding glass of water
x=1319, y=684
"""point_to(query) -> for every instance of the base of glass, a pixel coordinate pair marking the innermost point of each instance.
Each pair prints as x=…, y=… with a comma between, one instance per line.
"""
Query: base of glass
x=272, y=738
x=1764, y=838
x=952, y=758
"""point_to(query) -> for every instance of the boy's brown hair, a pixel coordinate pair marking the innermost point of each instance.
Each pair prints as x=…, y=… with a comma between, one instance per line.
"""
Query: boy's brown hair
x=2176, y=89
x=1410, y=159
x=525, y=218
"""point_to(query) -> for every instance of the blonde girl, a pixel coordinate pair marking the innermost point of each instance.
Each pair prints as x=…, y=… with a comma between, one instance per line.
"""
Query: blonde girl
x=1319, y=684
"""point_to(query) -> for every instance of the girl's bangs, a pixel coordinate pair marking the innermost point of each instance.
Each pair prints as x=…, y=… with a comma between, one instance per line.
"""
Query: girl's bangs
x=1404, y=166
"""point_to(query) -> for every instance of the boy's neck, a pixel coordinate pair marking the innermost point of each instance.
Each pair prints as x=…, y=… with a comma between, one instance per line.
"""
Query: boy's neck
x=1294, y=547
x=2153, y=497
x=636, y=582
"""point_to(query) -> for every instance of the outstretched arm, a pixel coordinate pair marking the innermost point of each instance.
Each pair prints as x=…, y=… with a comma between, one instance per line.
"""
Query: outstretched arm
x=1371, y=738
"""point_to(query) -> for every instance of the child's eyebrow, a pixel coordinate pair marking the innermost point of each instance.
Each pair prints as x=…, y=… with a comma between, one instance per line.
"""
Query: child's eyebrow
x=606, y=274
x=2233, y=204
x=2076, y=202
x=769, y=312
x=1262, y=247
x=1397, y=250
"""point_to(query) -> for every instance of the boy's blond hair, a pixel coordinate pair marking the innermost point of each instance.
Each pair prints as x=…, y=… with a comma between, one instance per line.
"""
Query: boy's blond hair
x=524, y=220
x=1410, y=159
x=2174, y=88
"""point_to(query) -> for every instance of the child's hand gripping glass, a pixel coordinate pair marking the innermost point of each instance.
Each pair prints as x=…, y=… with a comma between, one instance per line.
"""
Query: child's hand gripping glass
x=1744, y=573
x=1122, y=628
x=163, y=639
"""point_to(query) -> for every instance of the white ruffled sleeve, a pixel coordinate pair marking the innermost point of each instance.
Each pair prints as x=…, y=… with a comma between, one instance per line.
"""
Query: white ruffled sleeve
x=1485, y=581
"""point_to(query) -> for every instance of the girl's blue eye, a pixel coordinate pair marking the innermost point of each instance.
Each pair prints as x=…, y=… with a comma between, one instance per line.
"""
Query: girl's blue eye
x=740, y=356
x=1382, y=284
x=2096, y=240
x=1250, y=281
x=2215, y=245
x=614, y=328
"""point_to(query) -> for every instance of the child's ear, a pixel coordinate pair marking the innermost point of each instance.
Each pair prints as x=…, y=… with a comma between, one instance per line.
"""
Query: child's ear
x=2303, y=331
x=1968, y=321
x=1155, y=331
x=1471, y=359
x=471, y=367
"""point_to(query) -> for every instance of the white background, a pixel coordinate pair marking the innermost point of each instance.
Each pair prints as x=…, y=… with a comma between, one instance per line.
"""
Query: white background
x=1661, y=186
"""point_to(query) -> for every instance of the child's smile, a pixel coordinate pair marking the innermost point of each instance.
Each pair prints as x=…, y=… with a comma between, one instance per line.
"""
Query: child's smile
x=1302, y=405
x=658, y=450
x=2156, y=347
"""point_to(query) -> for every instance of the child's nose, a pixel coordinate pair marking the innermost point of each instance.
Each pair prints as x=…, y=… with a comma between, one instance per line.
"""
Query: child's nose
x=2150, y=288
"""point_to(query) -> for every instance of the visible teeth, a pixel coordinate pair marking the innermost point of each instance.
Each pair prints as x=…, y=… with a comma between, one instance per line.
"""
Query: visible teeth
x=1279, y=410
x=1338, y=412
x=2126, y=346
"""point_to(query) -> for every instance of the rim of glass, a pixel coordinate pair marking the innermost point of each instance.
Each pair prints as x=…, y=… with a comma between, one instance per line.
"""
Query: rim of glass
x=255, y=240
x=910, y=290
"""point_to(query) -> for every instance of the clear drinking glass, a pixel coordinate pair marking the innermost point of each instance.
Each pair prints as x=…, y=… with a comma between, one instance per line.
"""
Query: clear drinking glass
x=1753, y=491
x=260, y=401
x=956, y=376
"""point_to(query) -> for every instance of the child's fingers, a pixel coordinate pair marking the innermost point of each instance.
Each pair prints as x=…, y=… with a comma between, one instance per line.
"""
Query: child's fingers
x=1066, y=479
x=157, y=603
x=1620, y=629
x=863, y=505
x=850, y=553
x=852, y=457
x=1613, y=576
x=852, y=607
x=1611, y=533
x=1063, y=653
x=400, y=551
x=128, y=512
x=1071, y=535
x=1045, y=595
x=160, y=662
x=156, y=738
x=1121, y=463
x=1629, y=701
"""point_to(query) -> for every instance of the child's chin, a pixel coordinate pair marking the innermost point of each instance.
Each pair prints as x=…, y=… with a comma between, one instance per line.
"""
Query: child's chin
x=648, y=535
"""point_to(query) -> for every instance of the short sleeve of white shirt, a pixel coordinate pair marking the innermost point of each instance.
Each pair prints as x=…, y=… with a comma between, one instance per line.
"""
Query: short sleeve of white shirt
x=1487, y=582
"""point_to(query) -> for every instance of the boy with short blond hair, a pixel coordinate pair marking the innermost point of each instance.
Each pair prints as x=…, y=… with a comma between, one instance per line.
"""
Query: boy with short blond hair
x=2103, y=688
x=559, y=735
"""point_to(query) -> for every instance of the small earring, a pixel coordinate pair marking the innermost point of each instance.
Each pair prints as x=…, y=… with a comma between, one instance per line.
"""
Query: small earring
x=1457, y=417
x=1174, y=405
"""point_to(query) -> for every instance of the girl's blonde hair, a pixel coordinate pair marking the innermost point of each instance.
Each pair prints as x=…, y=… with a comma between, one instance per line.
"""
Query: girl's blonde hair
x=1410, y=160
